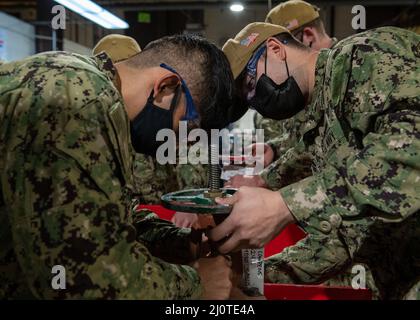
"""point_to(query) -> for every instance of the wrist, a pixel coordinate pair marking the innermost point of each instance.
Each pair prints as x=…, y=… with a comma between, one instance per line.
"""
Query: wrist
x=261, y=182
x=283, y=210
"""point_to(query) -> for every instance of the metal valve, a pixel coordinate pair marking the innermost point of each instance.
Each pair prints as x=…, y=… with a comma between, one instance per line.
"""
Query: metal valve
x=202, y=201
x=197, y=201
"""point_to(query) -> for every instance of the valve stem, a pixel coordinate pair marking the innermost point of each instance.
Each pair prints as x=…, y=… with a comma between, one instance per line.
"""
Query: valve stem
x=214, y=173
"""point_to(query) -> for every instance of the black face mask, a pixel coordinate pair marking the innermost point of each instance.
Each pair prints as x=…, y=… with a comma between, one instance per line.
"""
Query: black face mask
x=147, y=124
x=277, y=101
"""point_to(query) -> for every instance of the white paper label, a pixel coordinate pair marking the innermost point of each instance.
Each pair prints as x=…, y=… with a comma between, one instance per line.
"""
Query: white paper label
x=253, y=270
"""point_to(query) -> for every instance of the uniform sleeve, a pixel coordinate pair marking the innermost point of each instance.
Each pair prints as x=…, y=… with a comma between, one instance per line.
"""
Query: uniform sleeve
x=292, y=155
x=166, y=241
x=69, y=210
x=276, y=134
x=340, y=206
x=273, y=129
x=279, y=144
x=152, y=179
x=293, y=165
x=191, y=176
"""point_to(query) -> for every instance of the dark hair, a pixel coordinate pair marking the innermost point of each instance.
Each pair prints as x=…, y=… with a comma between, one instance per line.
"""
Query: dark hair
x=317, y=24
x=204, y=68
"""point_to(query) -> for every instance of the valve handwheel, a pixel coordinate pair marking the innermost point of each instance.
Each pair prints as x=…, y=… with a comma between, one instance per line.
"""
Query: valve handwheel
x=198, y=201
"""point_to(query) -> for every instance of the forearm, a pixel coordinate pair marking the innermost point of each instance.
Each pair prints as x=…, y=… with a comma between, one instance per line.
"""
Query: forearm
x=341, y=206
x=164, y=239
x=104, y=262
x=93, y=239
x=191, y=176
x=291, y=167
x=311, y=260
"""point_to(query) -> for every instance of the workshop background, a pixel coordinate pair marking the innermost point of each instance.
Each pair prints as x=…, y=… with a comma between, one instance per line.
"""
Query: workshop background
x=26, y=29
x=25, y=25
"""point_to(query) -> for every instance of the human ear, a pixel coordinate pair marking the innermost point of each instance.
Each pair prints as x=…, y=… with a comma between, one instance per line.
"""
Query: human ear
x=308, y=37
x=166, y=83
x=165, y=87
x=276, y=48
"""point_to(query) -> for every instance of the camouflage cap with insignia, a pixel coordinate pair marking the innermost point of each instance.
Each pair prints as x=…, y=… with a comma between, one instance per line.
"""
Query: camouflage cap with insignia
x=118, y=47
x=240, y=49
x=292, y=14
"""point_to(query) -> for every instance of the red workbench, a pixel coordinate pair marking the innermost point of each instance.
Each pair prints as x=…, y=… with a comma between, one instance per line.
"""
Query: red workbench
x=289, y=236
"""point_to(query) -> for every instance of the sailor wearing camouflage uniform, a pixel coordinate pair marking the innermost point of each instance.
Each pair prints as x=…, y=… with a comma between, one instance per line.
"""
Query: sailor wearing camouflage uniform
x=152, y=180
x=304, y=22
x=66, y=169
x=360, y=134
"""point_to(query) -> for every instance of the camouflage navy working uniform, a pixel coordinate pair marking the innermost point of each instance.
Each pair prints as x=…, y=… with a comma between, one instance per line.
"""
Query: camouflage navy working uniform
x=293, y=15
x=152, y=180
x=361, y=203
x=276, y=132
x=66, y=166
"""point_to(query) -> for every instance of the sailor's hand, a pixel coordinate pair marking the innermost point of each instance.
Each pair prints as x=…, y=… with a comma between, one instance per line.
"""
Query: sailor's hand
x=258, y=215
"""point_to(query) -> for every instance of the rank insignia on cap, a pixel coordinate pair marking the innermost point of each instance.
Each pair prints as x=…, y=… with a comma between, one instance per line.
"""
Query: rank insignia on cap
x=292, y=24
x=250, y=39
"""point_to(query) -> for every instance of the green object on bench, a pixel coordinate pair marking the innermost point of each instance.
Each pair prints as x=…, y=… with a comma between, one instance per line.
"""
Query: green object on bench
x=196, y=201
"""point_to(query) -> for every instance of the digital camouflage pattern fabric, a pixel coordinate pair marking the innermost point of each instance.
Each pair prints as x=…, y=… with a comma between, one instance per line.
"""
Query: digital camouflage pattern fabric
x=288, y=135
x=272, y=128
x=66, y=169
x=153, y=180
x=282, y=136
x=361, y=204
x=277, y=133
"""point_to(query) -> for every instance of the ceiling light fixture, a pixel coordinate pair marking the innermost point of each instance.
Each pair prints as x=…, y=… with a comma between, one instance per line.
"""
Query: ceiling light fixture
x=237, y=7
x=95, y=13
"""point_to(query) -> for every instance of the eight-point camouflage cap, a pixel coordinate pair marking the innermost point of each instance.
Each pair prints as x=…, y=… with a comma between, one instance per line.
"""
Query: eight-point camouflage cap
x=240, y=49
x=292, y=14
x=117, y=47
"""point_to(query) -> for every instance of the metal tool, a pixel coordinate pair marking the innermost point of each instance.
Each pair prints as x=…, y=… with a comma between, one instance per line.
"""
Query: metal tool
x=202, y=201
x=197, y=201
